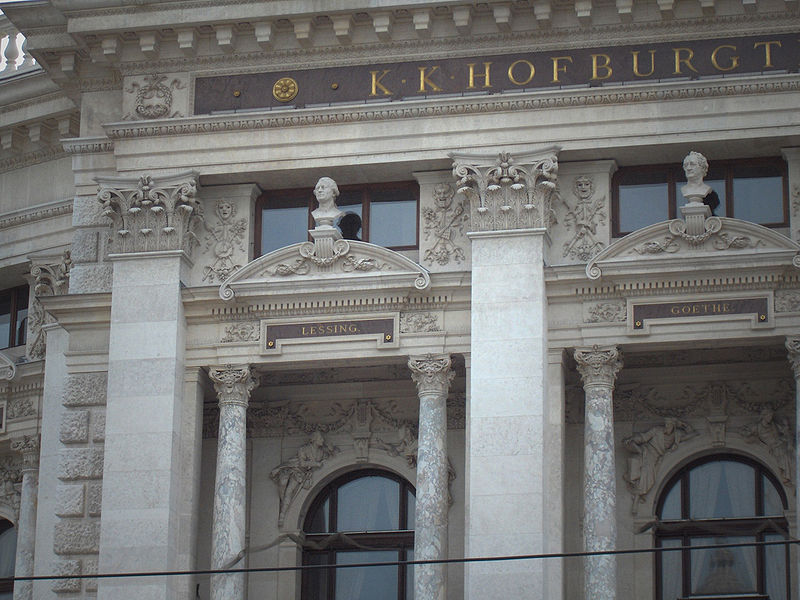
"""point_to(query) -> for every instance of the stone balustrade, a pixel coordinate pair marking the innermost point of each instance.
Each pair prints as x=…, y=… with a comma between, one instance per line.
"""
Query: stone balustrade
x=13, y=52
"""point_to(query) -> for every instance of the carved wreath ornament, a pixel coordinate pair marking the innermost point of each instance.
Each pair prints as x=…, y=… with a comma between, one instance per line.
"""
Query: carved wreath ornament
x=154, y=97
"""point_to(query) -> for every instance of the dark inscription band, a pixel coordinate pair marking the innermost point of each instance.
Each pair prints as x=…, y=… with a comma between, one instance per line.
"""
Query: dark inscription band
x=701, y=308
x=323, y=329
x=498, y=73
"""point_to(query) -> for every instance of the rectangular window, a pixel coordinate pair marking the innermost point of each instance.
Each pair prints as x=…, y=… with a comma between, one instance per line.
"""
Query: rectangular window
x=383, y=214
x=753, y=190
x=13, y=316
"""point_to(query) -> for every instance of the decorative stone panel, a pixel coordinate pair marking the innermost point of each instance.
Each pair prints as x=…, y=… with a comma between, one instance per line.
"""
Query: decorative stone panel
x=86, y=389
x=80, y=463
x=70, y=501
x=74, y=427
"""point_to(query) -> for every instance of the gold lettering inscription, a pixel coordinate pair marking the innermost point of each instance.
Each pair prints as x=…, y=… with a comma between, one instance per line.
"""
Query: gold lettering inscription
x=683, y=60
x=734, y=60
x=605, y=66
x=767, y=51
x=703, y=308
x=376, y=83
x=559, y=68
x=531, y=72
x=424, y=75
x=329, y=329
x=636, y=63
x=473, y=75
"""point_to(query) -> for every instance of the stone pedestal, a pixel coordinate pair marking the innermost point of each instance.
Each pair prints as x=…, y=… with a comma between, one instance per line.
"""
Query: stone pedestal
x=233, y=386
x=432, y=375
x=598, y=367
x=28, y=446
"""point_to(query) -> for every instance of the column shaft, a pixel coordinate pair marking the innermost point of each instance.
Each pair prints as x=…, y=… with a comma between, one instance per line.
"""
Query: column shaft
x=793, y=348
x=598, y=368
x=233, y=385
x=432, y=375
x=26, y=524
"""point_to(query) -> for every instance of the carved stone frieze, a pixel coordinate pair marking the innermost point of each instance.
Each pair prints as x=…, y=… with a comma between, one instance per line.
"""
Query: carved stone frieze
x=418, y=322
x=508, y=193
x=244, y=331
x=151, y=215
x=444, y=223
x=787, y=300
x=605, y=312
x=774, y=433
x=222, y=239
x=153, y=97
x=582, y=218
x=49, y=280
x=20, y=406
x=28, y=447
x=31, y=215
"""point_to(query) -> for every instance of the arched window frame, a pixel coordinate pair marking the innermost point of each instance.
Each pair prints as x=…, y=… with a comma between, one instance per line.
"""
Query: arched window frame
x=758, y=525
x=401, y=539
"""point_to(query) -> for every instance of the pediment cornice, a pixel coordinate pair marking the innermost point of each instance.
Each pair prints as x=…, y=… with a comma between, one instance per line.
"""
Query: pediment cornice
x=666, y=246
x=354, y=266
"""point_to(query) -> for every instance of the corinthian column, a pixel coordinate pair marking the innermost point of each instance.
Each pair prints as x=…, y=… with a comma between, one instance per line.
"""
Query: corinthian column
x=598, y=367
x=233, y=386
x=28, y=446
x=432, y=375
x=793, y=348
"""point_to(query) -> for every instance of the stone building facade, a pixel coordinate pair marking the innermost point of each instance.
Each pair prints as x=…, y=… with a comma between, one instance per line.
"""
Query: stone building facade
x=287, y=284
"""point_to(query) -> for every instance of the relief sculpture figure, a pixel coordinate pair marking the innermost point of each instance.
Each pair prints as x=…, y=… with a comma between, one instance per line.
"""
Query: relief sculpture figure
x=646, y=451
x=296, y=473
x=775, y=436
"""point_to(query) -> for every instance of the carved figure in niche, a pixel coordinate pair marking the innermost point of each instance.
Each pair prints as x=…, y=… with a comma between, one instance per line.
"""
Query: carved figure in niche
x=407, y=446
x=224, y=238
x=588, y=213
x=296, y=473
x=695, y=167
x=776, y=437
x=326, y=191
x=444, y=222
x=647, y=449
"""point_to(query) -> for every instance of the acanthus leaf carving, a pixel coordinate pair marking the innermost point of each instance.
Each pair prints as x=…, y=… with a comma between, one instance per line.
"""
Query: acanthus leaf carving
x=49, y=280
x=445, y=223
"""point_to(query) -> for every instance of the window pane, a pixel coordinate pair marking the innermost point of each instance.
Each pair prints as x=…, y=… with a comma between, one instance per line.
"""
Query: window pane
x=672, y=503
x=5, y=319
x=758, y=199
x=369, y=504
x=410, y=576
x=393, y=219
x=772, y=499
x=366, y=583
x=316, y=580
x=283, y=226
x=319, y=523
x=775, y=568
x=722, y=489
x=411, y=501
x=723, y=570
x=671, y=570
x=642, y=205
x=8, y=551
x=22, y=314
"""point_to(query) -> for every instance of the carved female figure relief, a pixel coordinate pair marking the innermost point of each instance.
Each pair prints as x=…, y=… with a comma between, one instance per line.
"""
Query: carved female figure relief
x=224, y=238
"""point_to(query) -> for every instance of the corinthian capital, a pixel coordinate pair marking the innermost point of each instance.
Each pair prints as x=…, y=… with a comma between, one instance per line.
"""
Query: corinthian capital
x=793, y=348
x=28, y=446
x=150, y=215
x=598, y=365
x=233, y=384
x=431, y=373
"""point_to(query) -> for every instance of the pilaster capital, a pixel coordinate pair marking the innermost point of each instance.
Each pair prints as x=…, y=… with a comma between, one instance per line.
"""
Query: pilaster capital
x=507, y=192
x=233, y=384
x=431, y=373
x=793, y=350
x=28, y=446
x=598, y=365
x=150, y=214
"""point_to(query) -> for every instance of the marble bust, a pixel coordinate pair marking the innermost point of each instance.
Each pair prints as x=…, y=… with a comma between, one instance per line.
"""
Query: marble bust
x=326, y=191
x=695, y=166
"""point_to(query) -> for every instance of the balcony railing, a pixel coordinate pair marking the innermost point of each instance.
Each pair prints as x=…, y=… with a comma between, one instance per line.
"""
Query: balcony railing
x=14, y=57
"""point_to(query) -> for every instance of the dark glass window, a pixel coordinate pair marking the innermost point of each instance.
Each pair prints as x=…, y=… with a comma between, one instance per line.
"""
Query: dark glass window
x=8, y=554
x=375, y=511
x=13, y=316
x=387, y=214
x=753, y=190
x=722, y=500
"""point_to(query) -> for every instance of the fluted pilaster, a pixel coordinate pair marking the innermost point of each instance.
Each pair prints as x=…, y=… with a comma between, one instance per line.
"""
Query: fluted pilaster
x=432, y=373
x=598, y=367
x=233, y=385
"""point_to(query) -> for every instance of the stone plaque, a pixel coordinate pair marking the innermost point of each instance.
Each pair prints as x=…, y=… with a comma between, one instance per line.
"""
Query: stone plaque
x=701, y=308
x=382, y=329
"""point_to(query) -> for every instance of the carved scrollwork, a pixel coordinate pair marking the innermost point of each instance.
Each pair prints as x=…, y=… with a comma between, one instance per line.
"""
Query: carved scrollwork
x=49, y=280
x=711, y=226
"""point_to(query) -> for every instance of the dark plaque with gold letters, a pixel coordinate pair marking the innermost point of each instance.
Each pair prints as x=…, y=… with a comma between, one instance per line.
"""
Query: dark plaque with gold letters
x=687, y=59
x=326, y=329
x=701, y=308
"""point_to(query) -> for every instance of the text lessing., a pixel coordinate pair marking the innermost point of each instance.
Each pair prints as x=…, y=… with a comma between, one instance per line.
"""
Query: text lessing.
x=706, y=308
x=329, y=329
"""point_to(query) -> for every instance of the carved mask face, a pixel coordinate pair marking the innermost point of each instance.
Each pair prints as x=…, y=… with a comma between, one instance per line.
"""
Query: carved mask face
x=584, y=187
x=443, y=195
x=225, y=210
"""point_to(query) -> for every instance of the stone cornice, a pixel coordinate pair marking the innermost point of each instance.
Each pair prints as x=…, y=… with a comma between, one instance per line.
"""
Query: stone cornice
x=411, y=109
x=36, y=213
x=87, y=145
x=31, y=158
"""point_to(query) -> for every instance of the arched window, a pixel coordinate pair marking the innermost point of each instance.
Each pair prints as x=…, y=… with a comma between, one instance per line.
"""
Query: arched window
x=722, y=499
x=375, y=512
x=8, y=555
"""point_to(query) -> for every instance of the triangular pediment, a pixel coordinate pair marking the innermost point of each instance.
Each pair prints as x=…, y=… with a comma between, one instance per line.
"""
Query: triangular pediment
x=668, y=246
x=349, y=266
